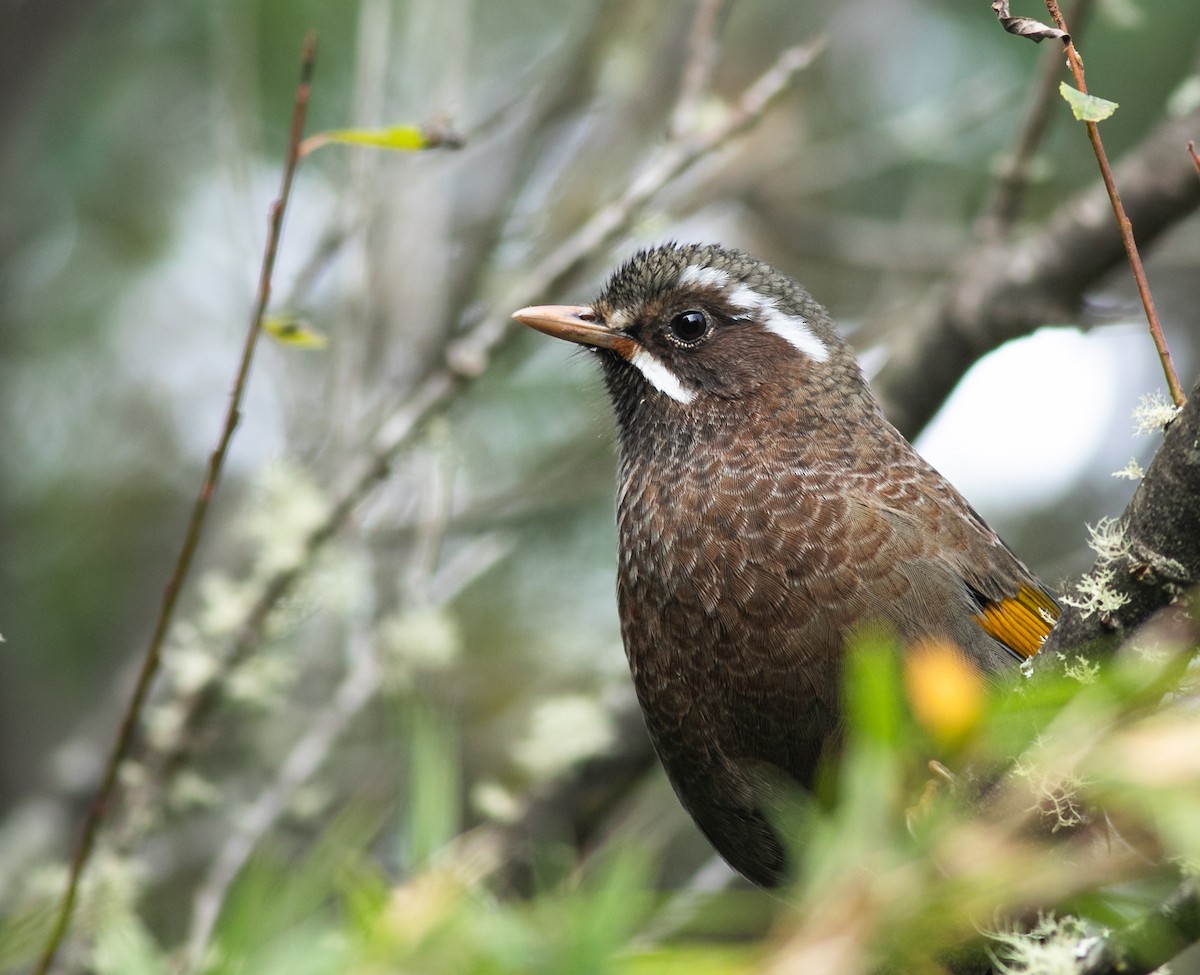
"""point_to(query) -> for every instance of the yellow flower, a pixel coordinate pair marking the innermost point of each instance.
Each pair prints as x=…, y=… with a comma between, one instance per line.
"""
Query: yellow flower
x=945, y=691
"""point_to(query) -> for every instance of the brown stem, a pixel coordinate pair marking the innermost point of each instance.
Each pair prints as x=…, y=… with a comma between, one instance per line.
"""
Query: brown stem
x=1195, y=157
x=698, y=68
x=1004, y=207
x=1123, y=224
x=130, y=721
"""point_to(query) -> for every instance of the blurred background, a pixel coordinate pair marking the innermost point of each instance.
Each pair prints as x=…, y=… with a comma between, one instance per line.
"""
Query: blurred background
x=453, y=648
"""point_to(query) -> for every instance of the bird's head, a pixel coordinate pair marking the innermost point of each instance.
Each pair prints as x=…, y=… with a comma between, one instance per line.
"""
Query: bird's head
x=693, y=329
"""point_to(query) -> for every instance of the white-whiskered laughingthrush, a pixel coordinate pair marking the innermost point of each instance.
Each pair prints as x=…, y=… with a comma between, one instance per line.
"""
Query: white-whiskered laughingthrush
x=766, y=509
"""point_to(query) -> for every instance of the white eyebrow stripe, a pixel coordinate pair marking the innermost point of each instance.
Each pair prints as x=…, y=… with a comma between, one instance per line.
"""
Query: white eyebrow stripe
x=795, y=331
x=661, y=378
x=706, y=277
x=746, y=298
x=791, y=328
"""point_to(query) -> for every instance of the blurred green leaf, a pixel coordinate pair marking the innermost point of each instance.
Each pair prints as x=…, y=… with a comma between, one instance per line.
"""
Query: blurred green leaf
x=124, y=947
x=699, y=960
x=1086, y=108
x=287, y=329
x=874, y=689
x=434, y=792
x=400, y=138
x=23, y=933
x=406, y=138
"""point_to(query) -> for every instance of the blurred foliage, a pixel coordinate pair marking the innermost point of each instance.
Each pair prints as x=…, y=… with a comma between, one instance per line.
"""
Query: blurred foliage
x=457, y=644
x=897, y=868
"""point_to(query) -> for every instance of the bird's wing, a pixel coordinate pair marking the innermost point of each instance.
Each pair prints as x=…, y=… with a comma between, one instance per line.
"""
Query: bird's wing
x=953, y=559
x=1014, y=608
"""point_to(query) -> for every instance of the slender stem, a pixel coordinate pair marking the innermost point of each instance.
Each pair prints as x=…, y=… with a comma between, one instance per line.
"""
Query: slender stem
x=1123, y=225
x=1195, y=157
x=1004, y=207
x=131, y=719
x=703, y=44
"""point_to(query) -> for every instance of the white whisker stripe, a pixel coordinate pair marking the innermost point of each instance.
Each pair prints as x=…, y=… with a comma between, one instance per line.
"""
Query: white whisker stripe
x=661, y=378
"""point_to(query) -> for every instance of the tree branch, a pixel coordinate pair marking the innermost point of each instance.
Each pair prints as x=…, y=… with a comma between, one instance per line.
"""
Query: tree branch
x=1004, y=207
x=1158, y=557
x=1150, y=942
x=1003, y=291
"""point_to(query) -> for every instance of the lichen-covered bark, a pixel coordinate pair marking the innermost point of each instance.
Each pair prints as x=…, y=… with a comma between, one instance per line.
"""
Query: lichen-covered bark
x=1159, y=561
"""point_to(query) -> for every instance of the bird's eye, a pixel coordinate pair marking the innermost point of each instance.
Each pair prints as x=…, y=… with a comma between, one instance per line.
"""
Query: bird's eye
x=689, y=327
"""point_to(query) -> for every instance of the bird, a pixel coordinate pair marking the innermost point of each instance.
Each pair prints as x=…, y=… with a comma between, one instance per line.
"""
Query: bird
x=767, y=510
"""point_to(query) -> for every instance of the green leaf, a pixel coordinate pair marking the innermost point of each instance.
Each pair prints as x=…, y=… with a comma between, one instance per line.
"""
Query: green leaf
x=873, y=688
x=434, y=782
x=123, y=945
x=287, y=329
x=406, y=138
x=1086, y=108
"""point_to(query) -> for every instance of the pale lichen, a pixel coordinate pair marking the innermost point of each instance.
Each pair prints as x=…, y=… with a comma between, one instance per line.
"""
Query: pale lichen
x=413, y=641
x=1153, y=412
x=1107, y=539
x=1132, y=471
x=1096, y=594
x=261, y=680
x=1081, y=669
x=562, y=731
x=1057, y=796
x=191, y=790
x=493, y=800
x=289, y=507
x=1054, y=946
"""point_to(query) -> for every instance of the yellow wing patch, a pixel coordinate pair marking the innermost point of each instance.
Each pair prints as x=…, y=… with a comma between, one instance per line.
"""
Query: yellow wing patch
x=1020, y=622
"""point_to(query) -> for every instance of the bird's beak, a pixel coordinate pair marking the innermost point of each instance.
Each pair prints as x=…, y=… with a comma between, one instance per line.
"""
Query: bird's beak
x=578, y=324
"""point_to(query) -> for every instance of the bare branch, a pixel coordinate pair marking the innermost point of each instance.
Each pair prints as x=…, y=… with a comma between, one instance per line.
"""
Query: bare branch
x=469, y=355
x=1156, y=560
x=1001, y=292
x=698, y=69
x=131, y=719
x=1123, y=222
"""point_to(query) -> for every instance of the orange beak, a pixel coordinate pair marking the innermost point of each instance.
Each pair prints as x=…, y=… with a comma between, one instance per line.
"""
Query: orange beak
x=578, y=324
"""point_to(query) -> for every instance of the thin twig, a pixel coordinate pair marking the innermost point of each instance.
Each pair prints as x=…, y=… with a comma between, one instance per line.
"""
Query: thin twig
x=1195, y=157
x=358, y=687
x=469, y=355
x=1123, y=223
x=1004, y=207
x=131, y=719
x=698, y=68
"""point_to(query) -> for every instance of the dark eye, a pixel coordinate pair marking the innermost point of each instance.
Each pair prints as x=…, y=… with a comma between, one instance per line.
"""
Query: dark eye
x=689, y=327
